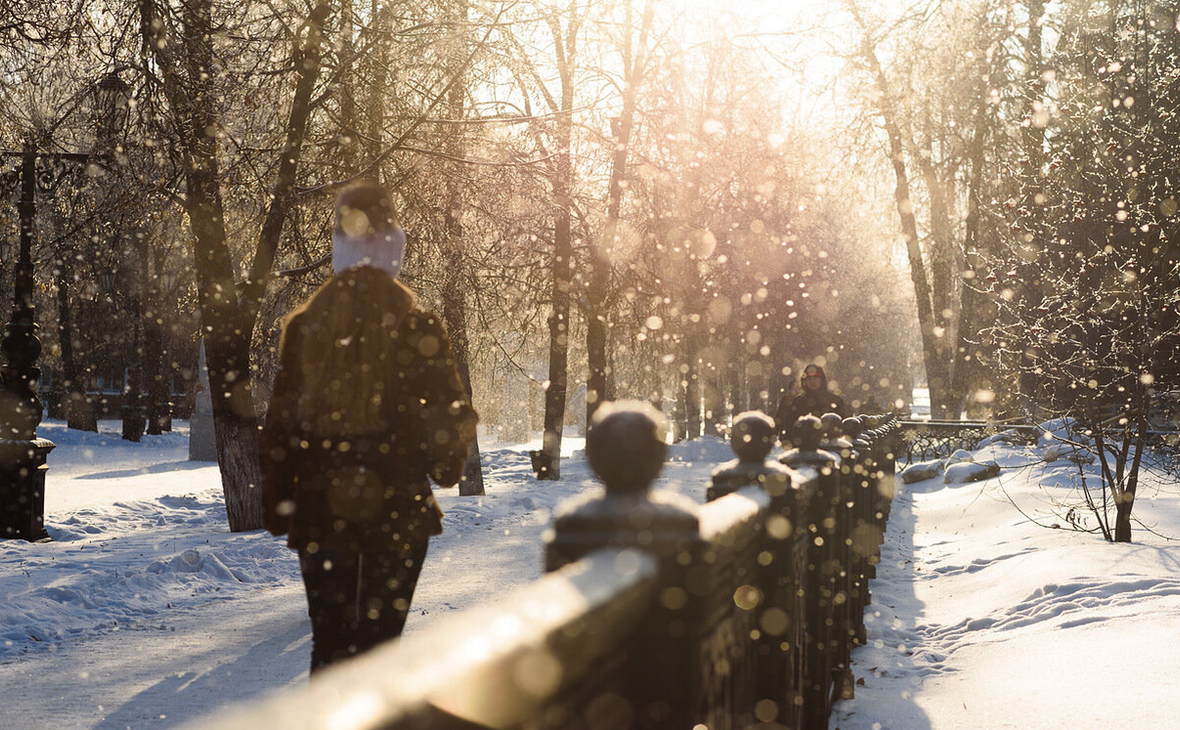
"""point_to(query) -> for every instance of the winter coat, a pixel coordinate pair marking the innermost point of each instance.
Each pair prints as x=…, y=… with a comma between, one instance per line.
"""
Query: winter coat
x=367, y=407
x=809, y=402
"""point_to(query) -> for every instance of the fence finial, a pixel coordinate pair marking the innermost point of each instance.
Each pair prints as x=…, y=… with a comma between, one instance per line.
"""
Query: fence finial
x=807, y=433
x=752, y=436
x=625, y=446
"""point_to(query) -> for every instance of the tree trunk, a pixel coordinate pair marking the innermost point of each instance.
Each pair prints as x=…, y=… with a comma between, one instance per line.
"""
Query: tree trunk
x=227, y=349
x=692, y=388
x=155, y=374
x=308, y=63
x=555, y=391
x=349, y=128
x=1030, y=215
x=598, y=388
x=756, y=385
x=933, y=338
x=977, y=309
x=455, y=316
x=1122, y=517
x=944, y=274
x=79, y=411
x=736, y=392
x=1126, y=496
x=547, y=462
x=714, y=398
x=455, y=291
x=381, y=30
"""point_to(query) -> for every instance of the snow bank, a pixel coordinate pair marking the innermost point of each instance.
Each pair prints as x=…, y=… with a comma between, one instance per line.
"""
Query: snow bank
x=128, y=564
x=922, y=470
x=706, y=449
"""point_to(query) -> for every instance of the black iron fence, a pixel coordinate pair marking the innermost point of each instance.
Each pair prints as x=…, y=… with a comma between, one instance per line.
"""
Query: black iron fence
x=655, y=612
x=926, y=440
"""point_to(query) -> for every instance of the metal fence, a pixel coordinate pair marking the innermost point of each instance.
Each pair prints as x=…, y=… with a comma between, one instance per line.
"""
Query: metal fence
x=656, y=612
x=926, y=440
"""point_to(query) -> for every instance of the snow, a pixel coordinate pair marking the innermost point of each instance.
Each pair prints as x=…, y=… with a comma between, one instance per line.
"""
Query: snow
x=145, y=612
x=981, y=618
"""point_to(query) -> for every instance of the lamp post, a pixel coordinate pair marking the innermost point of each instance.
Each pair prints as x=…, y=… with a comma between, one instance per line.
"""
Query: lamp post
x=112, y=94
x=159, y=407
x=132, y=410
x=22, y=453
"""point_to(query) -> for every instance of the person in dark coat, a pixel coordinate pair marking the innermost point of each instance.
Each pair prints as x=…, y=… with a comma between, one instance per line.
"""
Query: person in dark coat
x=367, y=409
x=815, y=400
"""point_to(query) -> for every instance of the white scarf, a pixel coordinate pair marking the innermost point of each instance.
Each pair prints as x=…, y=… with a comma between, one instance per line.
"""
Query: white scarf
x=383, y=250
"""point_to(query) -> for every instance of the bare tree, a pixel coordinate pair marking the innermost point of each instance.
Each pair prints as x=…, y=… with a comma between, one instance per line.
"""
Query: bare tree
x=179, y=57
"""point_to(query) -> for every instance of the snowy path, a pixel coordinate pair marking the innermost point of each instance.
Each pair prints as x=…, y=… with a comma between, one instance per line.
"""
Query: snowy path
x=144, y=612
x=223, y=652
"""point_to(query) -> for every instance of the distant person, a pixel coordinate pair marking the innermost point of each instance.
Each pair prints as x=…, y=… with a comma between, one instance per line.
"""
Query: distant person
x=367, y=408
x=815, y=400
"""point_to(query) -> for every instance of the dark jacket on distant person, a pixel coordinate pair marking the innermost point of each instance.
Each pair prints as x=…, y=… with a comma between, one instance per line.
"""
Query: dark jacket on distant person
x=814, y=402
x=367, y=408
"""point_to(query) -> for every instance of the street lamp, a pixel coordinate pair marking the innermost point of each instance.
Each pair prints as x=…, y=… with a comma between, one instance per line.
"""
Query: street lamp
x=112, y=99
x=22, y=453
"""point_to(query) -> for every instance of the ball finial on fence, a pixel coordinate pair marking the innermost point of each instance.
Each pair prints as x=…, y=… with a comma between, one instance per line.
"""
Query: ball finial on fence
x=831, y=424
x=625, y=446
x=752, y=436
x=807, y=433
x=852, y=426
x=752, y=439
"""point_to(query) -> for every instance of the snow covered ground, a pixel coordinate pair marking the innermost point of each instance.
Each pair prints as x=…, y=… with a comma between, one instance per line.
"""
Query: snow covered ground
x=144, y=612
x=983, y=619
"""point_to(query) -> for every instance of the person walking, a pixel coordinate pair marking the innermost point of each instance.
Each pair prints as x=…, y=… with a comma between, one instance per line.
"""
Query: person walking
x=367, y=408
x=815, y=400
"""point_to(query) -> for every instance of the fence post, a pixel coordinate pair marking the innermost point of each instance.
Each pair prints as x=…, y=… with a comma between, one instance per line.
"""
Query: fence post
x=866, y=532
x=819, y=585
x=845, y=587
x=779, y=645
x=625, y=450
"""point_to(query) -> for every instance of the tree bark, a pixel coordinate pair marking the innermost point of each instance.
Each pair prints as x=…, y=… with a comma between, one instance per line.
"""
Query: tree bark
x=692, y=387
x=976, y=307
x=598, y=380
x=79, y=411
x=548, y=468
x=307, y=70
x=944, y=274
x=455, y=291
x=1126, y=496
x=381, y=26
x=227, y=323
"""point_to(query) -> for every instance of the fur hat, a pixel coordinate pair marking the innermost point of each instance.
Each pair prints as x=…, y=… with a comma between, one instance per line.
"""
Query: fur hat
x=367, y=232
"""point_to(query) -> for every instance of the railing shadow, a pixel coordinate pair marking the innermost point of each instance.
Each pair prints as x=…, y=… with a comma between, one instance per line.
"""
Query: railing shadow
x=180, y=697
x=162, y=468
x=886, y=663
